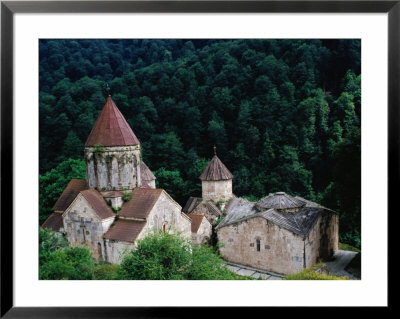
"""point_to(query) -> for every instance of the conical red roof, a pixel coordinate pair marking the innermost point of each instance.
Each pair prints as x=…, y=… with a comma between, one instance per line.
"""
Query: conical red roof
x=111, y=128
x=215, y=171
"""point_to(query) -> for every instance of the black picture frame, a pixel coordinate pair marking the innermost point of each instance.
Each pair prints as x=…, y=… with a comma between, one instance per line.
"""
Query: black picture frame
x=9, y=8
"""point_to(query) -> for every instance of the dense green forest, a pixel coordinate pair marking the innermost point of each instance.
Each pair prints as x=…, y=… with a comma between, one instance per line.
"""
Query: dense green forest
x=285, y=115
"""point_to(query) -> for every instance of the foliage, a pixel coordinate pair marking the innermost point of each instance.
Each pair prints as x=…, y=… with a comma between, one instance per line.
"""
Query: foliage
x=312, y=274
x=207, y=265
x=105, y=271
x=158, y=256
x=49, y=241
x=126, y=197
x=169, y=256
x=72, y=263
x=52, y=183
x=343, y=246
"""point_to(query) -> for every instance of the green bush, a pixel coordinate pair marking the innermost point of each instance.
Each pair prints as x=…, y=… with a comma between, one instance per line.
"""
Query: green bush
x=167, y=256
x=73, y=263
x=207, y=265
x=49, y=241
x=157, y=256
x=105, y=271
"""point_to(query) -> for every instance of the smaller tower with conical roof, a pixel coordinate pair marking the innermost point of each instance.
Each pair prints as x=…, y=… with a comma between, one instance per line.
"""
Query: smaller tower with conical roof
x=216, y=180
x=112, y=152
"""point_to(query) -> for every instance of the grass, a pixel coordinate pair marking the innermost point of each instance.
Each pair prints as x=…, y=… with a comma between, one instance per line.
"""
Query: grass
x=348, y=247
x=312, y=274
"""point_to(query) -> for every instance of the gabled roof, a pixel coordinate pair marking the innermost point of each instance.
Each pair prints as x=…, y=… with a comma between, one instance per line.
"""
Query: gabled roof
x=111, y=128
x=97, y=202
x=300, y=222
x=69, y=194
x=141, y=203
x=54, y=222
x=215, y=171
x=146, y=173
x=196, y=222
x=125, y=230
x=280, y=200
x=191, y=204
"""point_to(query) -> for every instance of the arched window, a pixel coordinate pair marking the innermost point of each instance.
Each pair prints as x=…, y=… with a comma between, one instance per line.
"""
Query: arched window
x=163, y=228
x=258, y=244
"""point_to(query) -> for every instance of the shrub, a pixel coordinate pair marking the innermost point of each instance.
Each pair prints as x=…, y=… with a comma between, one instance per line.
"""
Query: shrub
x=49, y=241
x=157, y=256
x=207, y=265
x=74, y=263
x=105, y=271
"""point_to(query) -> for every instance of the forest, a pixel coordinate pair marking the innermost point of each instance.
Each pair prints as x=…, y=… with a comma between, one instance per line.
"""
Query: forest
x=284, y=115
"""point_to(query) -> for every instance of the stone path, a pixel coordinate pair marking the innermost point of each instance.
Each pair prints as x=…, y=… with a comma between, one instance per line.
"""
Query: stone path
x=341, y=259
x=252, y=272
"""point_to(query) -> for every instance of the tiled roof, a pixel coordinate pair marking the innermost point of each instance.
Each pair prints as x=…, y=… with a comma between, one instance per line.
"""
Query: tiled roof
x=125, y=230
x=111, y=128
x=216, y=171
x=299, y=223
x=112, y=194
x=54, y=222
x=191, y=204
x=97, y=202
x=280, y=200
x=141, y=203
x=68, y=195
x=213, y=209
x=196, y=222
x=145, y=173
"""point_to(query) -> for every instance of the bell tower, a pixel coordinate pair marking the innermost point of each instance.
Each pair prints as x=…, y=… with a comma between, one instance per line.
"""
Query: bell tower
x=216, y=180
x=112, y=152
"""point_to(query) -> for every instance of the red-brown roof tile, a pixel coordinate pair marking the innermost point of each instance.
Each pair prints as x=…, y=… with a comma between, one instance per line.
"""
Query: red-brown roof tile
x=141, y=203
x=196, y=222
x=68, y=195
x=111, y=128
x=98, y=203
x=125, y=230
x=145, y=173
x=54, y=222
x=216, y=171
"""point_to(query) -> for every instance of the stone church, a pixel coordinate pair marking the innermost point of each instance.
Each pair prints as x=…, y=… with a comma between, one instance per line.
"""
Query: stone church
x=118, y=203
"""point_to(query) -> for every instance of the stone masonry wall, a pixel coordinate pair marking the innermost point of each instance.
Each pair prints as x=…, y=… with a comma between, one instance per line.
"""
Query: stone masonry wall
x=217, y=190
x=322, y=241
x=115, y=250
x=113, y=168
x=84, y=228
x=280, y=250
x=166, y=212
x=203, y=233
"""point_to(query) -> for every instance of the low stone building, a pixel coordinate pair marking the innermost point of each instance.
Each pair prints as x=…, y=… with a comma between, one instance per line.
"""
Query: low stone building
x=280, y=233
x=118, y=204
x=201, y=229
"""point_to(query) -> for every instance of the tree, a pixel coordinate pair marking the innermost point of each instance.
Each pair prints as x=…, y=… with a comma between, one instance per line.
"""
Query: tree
x=53, y=183
x=73, y=263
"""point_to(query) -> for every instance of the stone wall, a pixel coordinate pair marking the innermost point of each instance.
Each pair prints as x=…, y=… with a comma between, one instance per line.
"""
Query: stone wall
x=166, y=215
x=280, y=250
x=203, y=234
x=322, y=241
x=216, y=190
x=115, y=250
x=84, y=228
x=113, y=168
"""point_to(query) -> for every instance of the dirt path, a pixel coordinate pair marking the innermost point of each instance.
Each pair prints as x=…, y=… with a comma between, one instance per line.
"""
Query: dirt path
x=342, y=259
